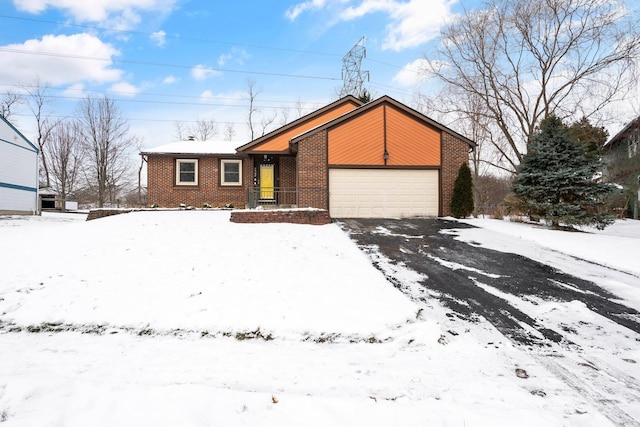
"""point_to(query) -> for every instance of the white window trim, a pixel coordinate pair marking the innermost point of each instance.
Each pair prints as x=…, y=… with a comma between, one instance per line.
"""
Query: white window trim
x=222, y=180
x=178, y=163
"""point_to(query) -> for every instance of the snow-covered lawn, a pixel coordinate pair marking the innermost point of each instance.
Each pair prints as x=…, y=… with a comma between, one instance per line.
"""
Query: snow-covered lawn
x=182, y=318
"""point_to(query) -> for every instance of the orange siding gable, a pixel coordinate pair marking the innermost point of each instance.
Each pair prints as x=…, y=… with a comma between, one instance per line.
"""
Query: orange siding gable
x=280, y=142
x=411, y=142
x=361, y=140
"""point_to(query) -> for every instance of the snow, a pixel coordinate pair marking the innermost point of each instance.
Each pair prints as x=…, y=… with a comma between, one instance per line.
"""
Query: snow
x=196, y=147
x=576, y=253
x=184, y=318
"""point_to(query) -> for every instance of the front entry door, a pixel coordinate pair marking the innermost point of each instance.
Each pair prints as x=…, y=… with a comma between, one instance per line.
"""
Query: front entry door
x=267, y=182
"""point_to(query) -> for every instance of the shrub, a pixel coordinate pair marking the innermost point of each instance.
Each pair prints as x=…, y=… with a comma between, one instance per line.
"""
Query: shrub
x=462, y=200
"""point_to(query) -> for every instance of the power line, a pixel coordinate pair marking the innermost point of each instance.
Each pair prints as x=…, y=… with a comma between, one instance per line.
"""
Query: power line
x=307, y=105
x=168, y=95
x=157, y=64
x=135, y=119
x=176, y=37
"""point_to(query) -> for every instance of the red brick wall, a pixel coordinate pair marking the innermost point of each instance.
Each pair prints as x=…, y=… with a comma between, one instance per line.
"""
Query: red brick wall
x=312, y=172
x=313, y=217
x=287, y=171
x=162, y=191
x=455, y=152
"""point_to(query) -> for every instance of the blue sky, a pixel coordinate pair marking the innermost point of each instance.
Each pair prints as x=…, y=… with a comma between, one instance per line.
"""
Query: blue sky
x=182, y=60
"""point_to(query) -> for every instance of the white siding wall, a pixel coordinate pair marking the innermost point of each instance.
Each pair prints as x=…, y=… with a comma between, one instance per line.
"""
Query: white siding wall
x=18, y=200
x=18, y=168
x=8, y=134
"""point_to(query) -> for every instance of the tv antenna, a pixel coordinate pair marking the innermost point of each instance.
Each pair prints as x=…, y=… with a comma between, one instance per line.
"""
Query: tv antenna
x=352, y=76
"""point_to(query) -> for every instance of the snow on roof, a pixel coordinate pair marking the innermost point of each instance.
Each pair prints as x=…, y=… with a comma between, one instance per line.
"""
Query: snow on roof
x=196, y=147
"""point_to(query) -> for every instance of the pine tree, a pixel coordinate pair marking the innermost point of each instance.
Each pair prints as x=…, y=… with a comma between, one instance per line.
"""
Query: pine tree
x=555, y=180
x=462, y=199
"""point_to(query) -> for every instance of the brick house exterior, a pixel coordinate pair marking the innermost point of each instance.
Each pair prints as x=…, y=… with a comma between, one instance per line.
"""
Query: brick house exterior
x=163, y=189
x=324, y=160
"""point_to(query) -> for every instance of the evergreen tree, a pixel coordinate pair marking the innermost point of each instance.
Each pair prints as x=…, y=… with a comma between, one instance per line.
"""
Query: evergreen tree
x=462, y=199
x=555, y=180
x=592, y=137
x=364, y=96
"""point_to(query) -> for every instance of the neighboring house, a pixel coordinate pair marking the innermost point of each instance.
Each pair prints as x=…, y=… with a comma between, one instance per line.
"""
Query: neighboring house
x=622, y=159
x=380, y=159
x=18, y=172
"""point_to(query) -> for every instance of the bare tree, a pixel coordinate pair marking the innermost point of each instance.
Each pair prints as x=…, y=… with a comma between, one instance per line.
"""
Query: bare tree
x=8, y=101
x=252, y=93
x=284, y=115
x=266, y=122
x=229, y=131
x=38, y=100
x=181, y=132
x=299, y=108
x=64, y=155
x=200, y=130
x=108, y=145
x=205, y=129
x=255, y=113
x=527, y=59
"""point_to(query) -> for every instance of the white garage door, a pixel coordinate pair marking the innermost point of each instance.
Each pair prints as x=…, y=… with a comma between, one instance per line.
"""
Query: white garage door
x=382, y=193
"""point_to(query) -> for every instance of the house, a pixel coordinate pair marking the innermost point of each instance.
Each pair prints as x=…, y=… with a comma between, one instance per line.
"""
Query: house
x=622, y=160
x=197, y=173
x=379, y=159
x=18, y=172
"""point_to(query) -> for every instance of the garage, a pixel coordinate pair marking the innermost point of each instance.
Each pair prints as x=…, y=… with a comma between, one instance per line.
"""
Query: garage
x=383, y=193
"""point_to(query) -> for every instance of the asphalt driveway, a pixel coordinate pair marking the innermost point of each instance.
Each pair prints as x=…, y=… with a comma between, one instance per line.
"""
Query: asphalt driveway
x=419, y=244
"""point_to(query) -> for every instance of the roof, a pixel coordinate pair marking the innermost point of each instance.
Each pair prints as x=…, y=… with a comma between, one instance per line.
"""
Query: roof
x=373, y=104
x=24, y=138
x=347, y=99
x=195, y=147
x=635, y=123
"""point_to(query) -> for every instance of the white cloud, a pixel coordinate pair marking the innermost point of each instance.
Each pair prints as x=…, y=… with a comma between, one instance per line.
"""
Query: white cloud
x=75, y=91
x=238, y=55
x=60, y=60
x=228, y=98
x=415, y=23
x=159, y=38
x=124, y=89
x=122, y=13
x=169, y=80
x=222, y=59
x=206, y=95
x=413, y=74
x=411, y=23
x=202, y=72
x=293, y=12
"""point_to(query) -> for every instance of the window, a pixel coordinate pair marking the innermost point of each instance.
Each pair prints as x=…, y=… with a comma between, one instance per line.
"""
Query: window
x=231, y=172
x=187, y=172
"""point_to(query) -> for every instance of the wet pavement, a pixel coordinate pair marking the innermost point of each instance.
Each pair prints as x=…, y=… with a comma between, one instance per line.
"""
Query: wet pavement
x=459, y=274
